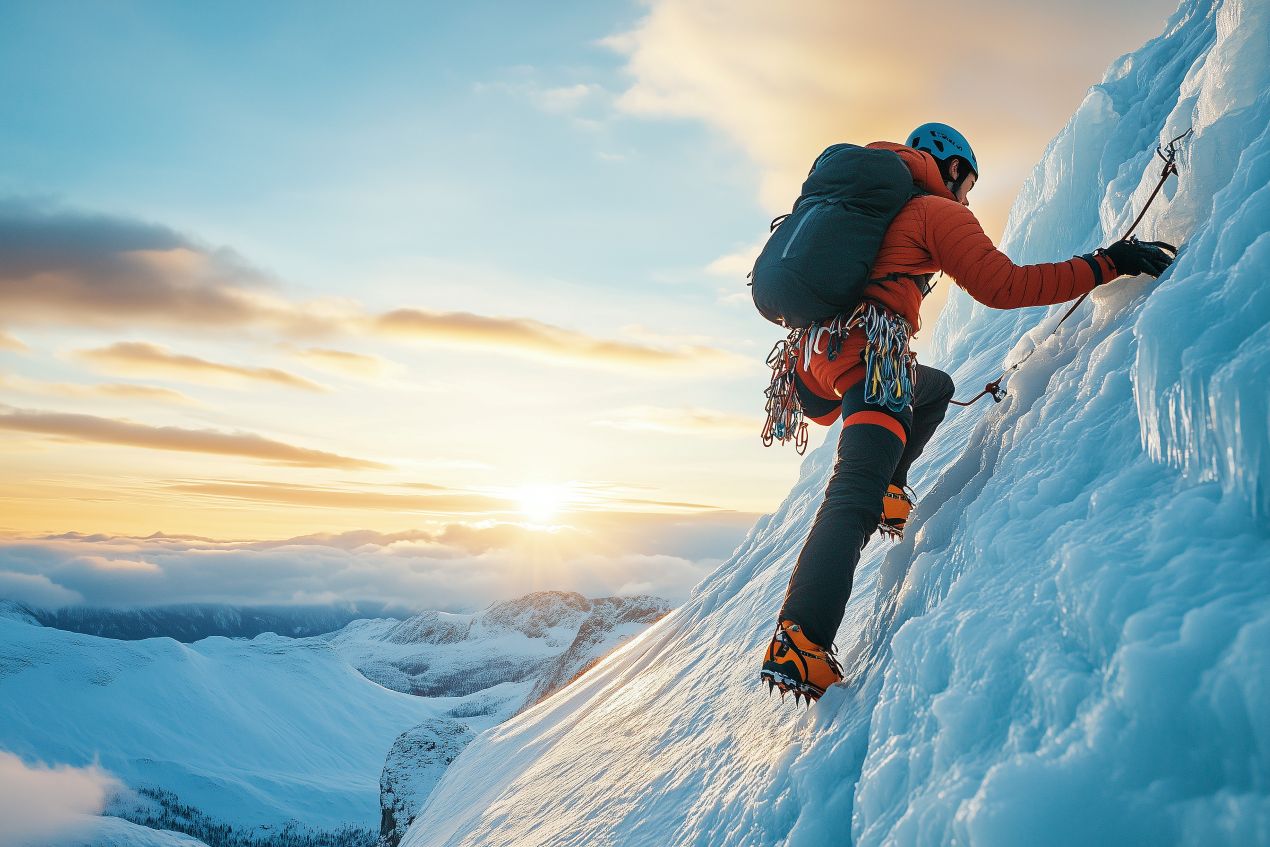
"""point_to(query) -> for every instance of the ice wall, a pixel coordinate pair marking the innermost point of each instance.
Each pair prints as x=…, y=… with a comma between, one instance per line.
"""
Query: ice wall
x=1073, y=647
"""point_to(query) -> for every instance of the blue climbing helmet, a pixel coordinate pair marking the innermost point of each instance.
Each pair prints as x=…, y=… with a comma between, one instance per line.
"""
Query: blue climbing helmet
x=942, y=141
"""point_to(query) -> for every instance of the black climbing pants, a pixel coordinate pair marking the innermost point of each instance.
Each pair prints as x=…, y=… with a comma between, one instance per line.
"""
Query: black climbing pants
x=876, y=447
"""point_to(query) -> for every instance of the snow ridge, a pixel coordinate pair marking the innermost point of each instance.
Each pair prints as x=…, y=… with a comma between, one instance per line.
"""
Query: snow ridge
x=515, y=642
x=192, y=622
x=1073, y=645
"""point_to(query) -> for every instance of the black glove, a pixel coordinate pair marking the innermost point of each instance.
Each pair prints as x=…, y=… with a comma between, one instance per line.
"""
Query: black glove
x=1132, y=257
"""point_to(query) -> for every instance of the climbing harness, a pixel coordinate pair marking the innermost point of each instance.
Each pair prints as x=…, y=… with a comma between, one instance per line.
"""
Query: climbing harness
x=1168, y=154
x=890, y=369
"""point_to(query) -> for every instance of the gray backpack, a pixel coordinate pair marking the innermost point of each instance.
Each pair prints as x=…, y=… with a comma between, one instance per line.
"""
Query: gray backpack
x=817, y=260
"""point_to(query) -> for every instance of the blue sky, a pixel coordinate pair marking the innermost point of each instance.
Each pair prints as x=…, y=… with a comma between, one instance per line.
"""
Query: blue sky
x=325, y=139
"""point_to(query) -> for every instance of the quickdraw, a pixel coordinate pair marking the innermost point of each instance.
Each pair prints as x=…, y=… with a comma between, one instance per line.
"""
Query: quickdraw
x=784, y=410
x=1168, y=154
x=890, y=369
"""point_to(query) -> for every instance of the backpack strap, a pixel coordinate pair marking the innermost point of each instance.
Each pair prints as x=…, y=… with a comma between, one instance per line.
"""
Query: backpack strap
x=922, y=281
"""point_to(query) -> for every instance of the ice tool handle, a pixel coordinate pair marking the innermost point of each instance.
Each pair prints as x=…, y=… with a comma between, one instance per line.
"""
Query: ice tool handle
x=1168, y=154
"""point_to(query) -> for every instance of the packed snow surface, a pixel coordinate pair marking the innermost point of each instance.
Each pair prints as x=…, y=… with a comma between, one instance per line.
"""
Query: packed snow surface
x=1073, y=646
x=532, y=639
x=256, y=733
x=115, y=832
x=252, y=732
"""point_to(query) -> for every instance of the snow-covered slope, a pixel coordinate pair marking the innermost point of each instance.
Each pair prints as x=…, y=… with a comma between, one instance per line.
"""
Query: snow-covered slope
x=498, y=661
x=13, y=611
x=257, y=733
x=252, y=732
x=1073, y=647
x=195, y=621
x=523, y=641
x=611, y=622
x=107, y=831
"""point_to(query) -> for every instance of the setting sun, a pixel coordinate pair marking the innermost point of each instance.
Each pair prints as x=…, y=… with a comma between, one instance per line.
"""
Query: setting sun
x=542, y=503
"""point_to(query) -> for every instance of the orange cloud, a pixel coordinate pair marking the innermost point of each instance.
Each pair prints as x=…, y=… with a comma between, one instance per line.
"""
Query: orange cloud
x=783, y=82
x=341, y=361
x=738, y=263
x=97, y=430
x=140, y=358
x=541, y=340
x=687, y=421
x=72, y=268
x=125, y=391
x=67, y=267
x=8, y=342
x=142, y=392
x=342, y=498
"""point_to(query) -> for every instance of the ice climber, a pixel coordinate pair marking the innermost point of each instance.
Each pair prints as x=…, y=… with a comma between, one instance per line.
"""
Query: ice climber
x=857, y=365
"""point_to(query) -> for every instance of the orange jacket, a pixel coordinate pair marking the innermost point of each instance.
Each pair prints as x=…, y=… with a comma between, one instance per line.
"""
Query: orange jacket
x=931, y=233
x=934, y=232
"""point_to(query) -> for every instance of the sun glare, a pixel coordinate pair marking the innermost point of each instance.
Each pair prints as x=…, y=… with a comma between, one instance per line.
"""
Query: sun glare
x=542, y=503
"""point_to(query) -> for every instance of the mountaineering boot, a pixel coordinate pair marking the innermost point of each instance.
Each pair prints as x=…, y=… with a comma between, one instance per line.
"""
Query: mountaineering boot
x=794, y=663
x=896, y=504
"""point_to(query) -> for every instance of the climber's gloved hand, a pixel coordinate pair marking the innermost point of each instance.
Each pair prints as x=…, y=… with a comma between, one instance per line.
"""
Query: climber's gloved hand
x=1132, y=257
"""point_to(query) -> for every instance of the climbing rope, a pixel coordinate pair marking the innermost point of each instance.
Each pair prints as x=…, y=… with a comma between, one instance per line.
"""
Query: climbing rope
x=1168, y=154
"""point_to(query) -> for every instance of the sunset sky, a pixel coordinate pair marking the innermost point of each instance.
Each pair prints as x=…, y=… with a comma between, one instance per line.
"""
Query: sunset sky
x=438, y=303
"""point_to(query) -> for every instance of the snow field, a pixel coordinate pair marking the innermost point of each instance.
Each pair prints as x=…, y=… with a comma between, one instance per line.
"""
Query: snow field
x=252, y=731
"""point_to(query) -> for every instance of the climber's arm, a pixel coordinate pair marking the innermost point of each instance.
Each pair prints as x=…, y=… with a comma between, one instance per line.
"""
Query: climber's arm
x=958, y=243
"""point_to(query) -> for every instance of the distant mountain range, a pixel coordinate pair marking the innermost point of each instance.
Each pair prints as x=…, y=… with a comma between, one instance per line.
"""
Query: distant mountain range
x=295, y=740
x=192, y=622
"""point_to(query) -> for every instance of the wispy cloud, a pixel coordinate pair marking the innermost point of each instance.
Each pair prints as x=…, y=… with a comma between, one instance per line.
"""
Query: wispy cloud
x=681, y=421
x=8, y=342
x=40, y=804
x=98, y=430
x=545, y=341
x=441, y=503
x=341, y=361
x=138, y=358
x=569, y=99
x=117, y=390
x=566, y=98
x=68, y=267
x=737, y=264
x=129, y=391
x=673, y=505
